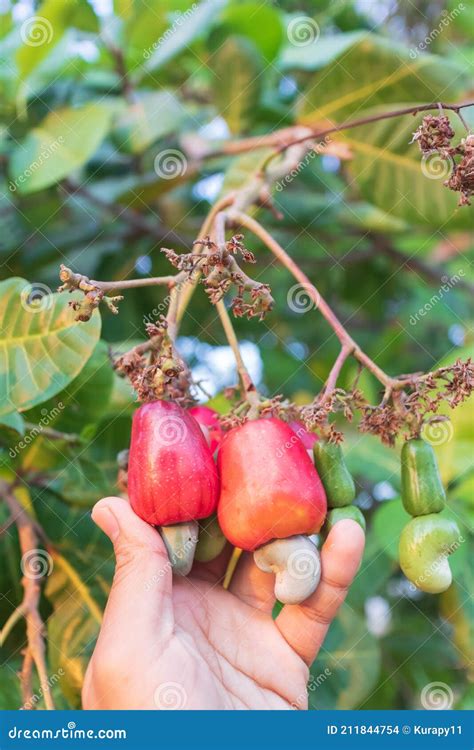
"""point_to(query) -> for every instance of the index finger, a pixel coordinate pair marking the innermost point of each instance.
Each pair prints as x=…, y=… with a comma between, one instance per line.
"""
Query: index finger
x=304, y=626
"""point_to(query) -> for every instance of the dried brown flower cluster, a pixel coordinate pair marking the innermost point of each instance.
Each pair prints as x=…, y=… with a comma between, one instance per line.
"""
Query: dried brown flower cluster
x=462, y=177
x=154, y=368
x=93, y=294
x=220, y=272
x=435, y=133
x=434, y=136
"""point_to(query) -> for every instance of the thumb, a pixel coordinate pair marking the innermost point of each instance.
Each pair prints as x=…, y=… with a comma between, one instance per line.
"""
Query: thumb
x=140, y=597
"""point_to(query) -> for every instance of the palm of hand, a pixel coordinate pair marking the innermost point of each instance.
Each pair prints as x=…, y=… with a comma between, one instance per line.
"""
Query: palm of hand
x=189, y=644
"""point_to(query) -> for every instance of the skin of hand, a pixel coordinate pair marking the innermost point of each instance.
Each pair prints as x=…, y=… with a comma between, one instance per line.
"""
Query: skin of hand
x=186, y=643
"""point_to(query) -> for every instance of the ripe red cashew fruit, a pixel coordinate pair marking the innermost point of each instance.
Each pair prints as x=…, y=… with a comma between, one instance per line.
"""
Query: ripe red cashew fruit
x=208, y=418
x=307, y=438
x=271, y=500
x=172, y=477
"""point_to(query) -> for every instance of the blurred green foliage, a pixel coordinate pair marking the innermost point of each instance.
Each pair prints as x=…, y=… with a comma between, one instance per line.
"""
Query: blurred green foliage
x=94, y=100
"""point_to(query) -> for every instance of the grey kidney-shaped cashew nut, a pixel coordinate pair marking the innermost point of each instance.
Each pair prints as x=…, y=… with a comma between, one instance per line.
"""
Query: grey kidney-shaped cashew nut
x=296, y=564
x=180, y=542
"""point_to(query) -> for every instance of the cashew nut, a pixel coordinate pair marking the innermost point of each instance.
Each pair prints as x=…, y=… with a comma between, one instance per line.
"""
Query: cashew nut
x=425, y=543
x=180, y=542
x=211, y=540
x=297, y=566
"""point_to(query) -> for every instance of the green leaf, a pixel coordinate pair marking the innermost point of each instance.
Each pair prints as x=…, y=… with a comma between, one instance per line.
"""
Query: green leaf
x=258, y=22
x=41, y=32
x=77, y=588
x=84, y=401
x=42, y=347
x=152, y=115
x=185, y=29
x=372, y=72
x=318, y=53
x=392, y=174
x=238, y=71
x=64, y=141
x=80, y=482
x=14, y=421
x=368, y=457
x=10, y=694
x=346, y=669
x=389, y=520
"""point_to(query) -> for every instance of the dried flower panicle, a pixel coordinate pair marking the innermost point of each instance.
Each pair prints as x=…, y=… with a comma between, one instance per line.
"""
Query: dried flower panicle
x=434, y=136
x=462, y=177
x=155, y=369
x=93, y=294
x=221, y=272
x=435, y=133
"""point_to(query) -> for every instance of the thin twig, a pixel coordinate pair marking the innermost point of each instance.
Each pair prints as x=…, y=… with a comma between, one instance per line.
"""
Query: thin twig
x=127, y=214
x=15, y=617
x=32, y=593
x=433, y=273
x=319, y=302
x=331, y=381
x=246, y=380
x=52, y=434
x=26, y=679
x=282, y=141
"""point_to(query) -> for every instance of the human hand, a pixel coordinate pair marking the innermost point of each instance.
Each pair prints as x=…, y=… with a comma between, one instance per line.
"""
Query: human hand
x=186, y=643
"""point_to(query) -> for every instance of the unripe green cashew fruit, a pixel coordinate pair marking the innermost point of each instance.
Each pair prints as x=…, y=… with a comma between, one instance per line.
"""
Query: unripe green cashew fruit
x=211, y=540
x=425, y=544
x=339, y=514
x=335, y=476
x=422, y=489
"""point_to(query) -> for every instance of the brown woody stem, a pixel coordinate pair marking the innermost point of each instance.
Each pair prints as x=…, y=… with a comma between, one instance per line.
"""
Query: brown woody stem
x=346, y=340
x=331, y=381
x=282, y=139
x=246, y=380
x=29, y=608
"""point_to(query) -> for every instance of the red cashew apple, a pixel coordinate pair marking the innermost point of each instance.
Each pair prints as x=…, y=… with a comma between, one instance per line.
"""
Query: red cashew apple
x=208, y=418
x=271, y=491
x=307, y=438
x=172, y=478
